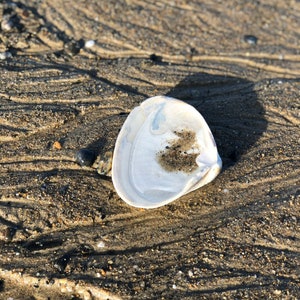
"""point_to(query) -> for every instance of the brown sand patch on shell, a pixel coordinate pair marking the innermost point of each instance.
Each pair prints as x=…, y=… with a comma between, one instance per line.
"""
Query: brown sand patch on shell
x=175, y=157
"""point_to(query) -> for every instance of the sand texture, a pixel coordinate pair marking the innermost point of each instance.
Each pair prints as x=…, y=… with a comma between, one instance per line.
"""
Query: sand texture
x=71, y=71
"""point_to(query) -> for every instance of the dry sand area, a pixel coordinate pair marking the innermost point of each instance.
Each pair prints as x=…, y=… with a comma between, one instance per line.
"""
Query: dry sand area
x=71, y=71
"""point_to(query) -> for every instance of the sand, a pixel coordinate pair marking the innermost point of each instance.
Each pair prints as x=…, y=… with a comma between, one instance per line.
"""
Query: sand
x=70, y=74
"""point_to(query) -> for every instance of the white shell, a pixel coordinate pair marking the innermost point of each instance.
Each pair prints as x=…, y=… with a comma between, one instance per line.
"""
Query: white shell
x=164, y=150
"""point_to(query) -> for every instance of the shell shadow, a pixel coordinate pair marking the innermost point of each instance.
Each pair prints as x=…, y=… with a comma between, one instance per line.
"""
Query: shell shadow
x=230, y=107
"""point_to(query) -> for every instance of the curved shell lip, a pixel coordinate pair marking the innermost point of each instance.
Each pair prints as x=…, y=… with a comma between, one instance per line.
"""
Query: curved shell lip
x=147, y=204
x=125, y=188
x=151, y=205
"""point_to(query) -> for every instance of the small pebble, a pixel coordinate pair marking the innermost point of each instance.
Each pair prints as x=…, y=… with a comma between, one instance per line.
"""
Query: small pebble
x=57, y=145
x=155, y=58
x=89, y=44
x=105, y=164
x=277, y=292
x=85, y=157
x=250, y=39
x=5, y=55
x=7, y=24
x=101, y=244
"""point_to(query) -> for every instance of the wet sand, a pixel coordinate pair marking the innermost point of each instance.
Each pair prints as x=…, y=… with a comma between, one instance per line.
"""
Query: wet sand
x=71, y=73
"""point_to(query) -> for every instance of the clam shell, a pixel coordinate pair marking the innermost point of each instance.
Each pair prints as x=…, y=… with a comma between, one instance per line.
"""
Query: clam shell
x=164, y=150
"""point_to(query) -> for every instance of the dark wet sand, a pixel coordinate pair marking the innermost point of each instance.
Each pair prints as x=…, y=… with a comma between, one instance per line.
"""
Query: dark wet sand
x=65, y=233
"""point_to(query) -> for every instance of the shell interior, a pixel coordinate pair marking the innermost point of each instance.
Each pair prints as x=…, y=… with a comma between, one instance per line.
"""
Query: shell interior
x=164, y=150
